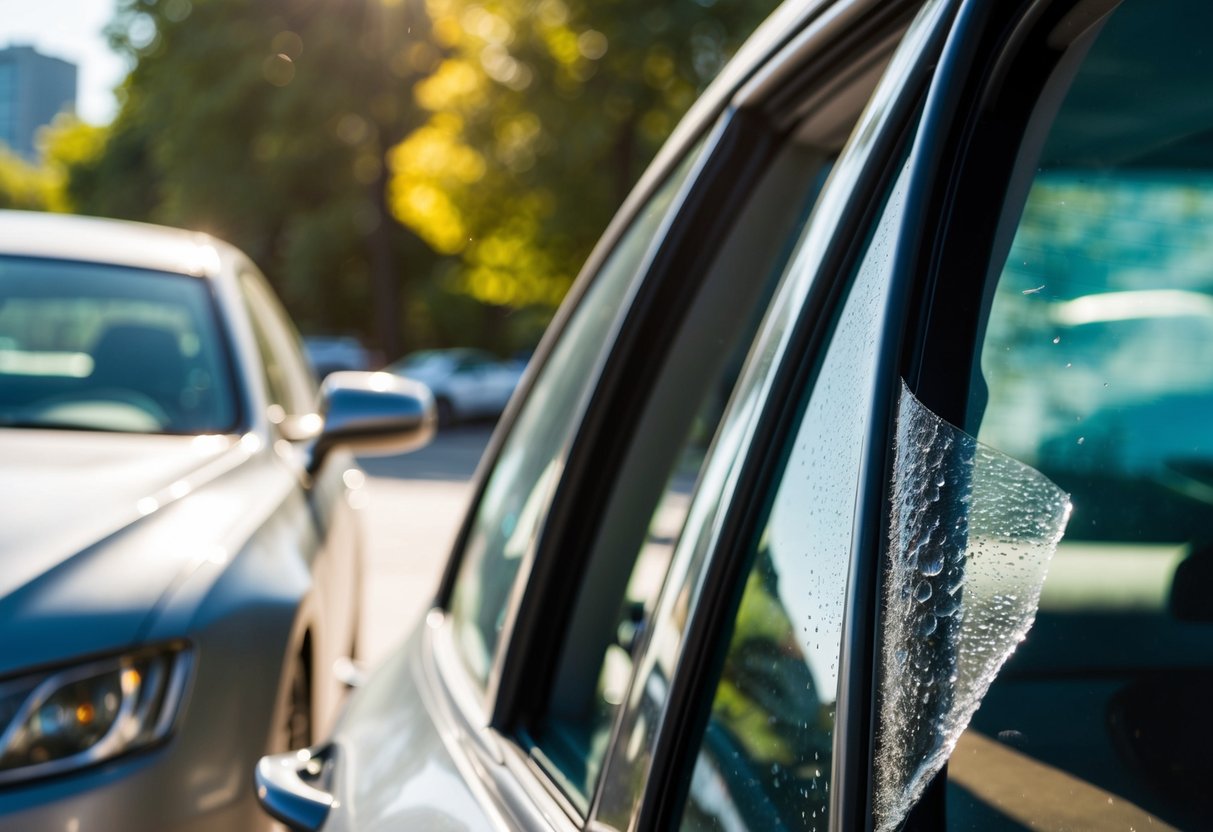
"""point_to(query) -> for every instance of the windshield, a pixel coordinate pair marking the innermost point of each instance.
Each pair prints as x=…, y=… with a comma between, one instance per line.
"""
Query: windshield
x=98, y=347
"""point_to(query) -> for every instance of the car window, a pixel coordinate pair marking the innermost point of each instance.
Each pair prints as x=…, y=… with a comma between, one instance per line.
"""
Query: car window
x=645, y=513
x=94, y=347
x=512, y=507
x=765, y=758
x=660, y=727
x=1096, y=367
x=289, y=382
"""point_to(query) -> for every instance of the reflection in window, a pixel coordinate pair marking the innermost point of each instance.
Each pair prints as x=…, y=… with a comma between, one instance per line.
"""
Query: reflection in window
x=289, y=381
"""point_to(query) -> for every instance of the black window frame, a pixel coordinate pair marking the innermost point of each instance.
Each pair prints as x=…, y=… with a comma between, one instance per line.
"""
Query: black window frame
x=755, y=59
x=735, y=522
x=751, y=137
x=985, y=103
x=746, y=140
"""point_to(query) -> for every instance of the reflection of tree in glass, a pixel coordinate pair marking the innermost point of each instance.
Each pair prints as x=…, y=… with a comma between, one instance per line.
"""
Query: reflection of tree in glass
x=770, y=735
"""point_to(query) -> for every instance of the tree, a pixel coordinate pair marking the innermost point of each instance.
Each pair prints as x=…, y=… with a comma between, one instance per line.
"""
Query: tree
x=267, y=122
x=425, y=159
x=540, y=120
x=24, y=185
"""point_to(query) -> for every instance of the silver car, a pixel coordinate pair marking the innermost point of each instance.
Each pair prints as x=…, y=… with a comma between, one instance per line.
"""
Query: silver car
x=180, y=541
x=466, y=383
x=865, y=480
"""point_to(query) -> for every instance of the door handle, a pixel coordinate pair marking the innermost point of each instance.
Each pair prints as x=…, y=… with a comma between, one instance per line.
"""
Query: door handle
x=286, y=788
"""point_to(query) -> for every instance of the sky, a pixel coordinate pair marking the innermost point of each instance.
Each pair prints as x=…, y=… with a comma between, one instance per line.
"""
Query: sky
x=70, y=29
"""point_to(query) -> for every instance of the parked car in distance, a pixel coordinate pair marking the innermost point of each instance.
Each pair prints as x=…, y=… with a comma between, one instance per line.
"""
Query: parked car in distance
x=865, y=479
x=334, y=353
x=466, y=383
x=181, y=553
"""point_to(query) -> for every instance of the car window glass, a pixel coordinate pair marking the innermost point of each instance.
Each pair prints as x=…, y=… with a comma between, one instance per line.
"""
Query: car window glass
x=765, y=758
x=519, y=487
x=646, y=510
x=95, y=347
x=631, y=789
x=1097, y=369
x=289, y=381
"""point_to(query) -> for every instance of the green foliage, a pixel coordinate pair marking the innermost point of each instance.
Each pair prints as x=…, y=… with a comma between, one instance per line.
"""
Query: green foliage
x=541, y=117
x=267, y=124
x=72, y=151
x=23, y=185
x=330, y=138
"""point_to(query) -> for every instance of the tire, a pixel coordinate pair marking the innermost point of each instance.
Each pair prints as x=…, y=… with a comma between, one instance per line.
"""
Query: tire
x=297, y=721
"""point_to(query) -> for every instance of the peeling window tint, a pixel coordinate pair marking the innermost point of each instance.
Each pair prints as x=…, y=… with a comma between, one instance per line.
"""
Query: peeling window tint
x=971, y=537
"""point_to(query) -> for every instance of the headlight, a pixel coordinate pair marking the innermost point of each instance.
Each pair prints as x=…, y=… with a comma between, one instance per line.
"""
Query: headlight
x=76, y=716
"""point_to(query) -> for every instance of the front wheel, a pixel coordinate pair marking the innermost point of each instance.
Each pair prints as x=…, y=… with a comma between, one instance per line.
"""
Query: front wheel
x=296, y=722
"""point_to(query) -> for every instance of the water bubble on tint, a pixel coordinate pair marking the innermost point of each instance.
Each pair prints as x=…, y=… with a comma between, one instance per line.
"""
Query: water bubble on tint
x=952, y=618
x=930, y=563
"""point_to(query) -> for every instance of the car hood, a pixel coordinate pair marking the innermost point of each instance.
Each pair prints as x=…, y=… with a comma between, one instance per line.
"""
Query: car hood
x=85, y=547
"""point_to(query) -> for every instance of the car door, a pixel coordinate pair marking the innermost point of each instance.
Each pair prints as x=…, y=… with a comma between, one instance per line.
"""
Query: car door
x=554, y=601
x=328, y=538
x=1054, y=322
x=738, y=716
x=994, y=557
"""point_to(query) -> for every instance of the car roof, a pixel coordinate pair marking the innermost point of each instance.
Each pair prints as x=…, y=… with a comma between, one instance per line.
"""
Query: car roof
x=114, y=242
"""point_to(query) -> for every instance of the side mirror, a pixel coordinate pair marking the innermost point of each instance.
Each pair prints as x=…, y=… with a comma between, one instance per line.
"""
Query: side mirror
x=373, y=413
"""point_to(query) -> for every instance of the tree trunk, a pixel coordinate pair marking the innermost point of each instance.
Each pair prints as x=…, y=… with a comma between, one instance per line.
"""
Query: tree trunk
x=385, y=281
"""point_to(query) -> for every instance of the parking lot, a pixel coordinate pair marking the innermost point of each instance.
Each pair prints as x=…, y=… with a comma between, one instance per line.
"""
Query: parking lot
x=416, y=502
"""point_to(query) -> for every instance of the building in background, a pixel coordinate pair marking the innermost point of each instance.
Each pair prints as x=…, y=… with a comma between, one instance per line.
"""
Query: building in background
x=34, y=88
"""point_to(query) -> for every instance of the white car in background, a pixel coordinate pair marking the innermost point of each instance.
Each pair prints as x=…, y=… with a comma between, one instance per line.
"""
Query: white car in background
x=466, y=383
x=334, y=353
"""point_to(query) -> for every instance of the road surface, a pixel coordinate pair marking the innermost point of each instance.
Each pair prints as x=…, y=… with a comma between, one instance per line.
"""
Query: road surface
x=416, y=503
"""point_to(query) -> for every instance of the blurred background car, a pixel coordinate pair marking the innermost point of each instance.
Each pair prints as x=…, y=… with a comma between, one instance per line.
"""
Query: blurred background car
x=181, y=553
x=466, y=383
x=332, y=353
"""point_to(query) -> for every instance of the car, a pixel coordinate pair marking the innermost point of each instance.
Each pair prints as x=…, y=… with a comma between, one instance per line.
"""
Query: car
x=865, y=479
x=181, y=549
x=333, y=353
x=466, y=383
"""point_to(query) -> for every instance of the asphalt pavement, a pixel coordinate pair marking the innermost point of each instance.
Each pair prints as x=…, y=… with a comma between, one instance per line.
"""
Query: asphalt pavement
x=416, y=502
